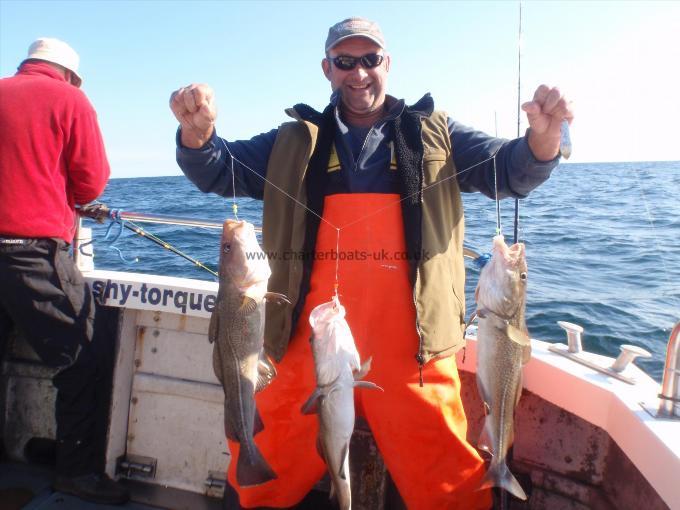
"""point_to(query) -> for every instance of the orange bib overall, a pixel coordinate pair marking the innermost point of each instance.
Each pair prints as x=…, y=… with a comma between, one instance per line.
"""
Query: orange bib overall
x=420, y=431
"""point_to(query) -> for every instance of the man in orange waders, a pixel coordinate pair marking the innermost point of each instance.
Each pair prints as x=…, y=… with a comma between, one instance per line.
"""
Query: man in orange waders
x=375, y=185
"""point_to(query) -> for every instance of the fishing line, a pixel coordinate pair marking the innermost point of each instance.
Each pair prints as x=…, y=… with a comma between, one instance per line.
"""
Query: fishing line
x=374, y=213
x=519, y=94
x=425, y=188
x=650, y=220
x=99, y=211
x=337, y=264
x=503, y=494
x=234, y=158
x=499, y=228
x=148, y=235
x=234, y=205
x=199, y=133
x=396, y=202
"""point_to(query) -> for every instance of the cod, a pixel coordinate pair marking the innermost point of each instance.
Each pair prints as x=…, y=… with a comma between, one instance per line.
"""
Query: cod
x=503, y=347
x=237, y=332
x=338, y=371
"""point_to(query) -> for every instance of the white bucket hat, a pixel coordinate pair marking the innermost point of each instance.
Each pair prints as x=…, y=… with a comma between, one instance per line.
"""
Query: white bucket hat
x=57, y=52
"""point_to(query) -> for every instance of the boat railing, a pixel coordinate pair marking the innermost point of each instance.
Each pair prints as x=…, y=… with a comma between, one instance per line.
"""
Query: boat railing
x=573, y=350
x=100, y=212
x=669, y=398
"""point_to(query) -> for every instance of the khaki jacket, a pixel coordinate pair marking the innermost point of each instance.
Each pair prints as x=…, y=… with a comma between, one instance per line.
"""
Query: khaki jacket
x=432, y=212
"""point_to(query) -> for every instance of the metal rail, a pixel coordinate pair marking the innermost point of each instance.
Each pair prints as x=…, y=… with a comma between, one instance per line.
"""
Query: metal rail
x=198, y=222
x=470, y=253
x=100, y=212
x=173, y=220
x=574, y=351
x=669, y=398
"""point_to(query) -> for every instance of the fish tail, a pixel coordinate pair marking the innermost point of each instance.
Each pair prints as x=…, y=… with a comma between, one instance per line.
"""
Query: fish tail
x=500, y=476
x=252, y=469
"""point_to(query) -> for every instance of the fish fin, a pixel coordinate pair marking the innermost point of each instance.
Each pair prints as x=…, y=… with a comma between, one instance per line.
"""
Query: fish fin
x=217, y=362
x=365, y=368
x=484, y=442
x=320, y=450
x=213, y=327
x=258, y=424
x=518, y=390
x=367, y=384
x=473, y=316
x=526, y=354
x=248, y=306
x=344, y=455
x=231, y=434
x=484, y=394
x=331, y=493
x=311, y=405
x=519, y=336
x=266, y=371
x=251, y=468
x=276, y=297
x=499, y=475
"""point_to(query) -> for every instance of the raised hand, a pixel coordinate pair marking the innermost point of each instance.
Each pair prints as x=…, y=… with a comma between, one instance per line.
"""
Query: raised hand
x=195, y=110
x=545, y=114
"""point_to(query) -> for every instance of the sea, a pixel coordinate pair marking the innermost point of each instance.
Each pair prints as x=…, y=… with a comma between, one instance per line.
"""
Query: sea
x=602, y=241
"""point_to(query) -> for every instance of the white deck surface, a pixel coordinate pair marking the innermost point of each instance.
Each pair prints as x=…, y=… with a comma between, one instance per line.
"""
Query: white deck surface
x=653, y=445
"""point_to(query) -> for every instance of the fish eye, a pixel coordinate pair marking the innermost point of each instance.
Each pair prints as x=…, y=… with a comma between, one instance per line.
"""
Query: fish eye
x=523, y=276
x=227, y=248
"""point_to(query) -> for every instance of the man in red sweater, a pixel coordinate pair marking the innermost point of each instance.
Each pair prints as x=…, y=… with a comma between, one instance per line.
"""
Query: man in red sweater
x=52, y=158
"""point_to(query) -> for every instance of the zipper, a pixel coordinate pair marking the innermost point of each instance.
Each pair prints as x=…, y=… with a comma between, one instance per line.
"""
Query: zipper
x=363, y=146
x=420, y=355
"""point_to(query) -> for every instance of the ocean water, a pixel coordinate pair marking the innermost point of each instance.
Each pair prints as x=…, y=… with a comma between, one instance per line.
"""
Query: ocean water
x=603, y=247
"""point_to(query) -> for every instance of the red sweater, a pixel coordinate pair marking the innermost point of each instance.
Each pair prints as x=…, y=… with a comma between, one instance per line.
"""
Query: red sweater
x=51, y=153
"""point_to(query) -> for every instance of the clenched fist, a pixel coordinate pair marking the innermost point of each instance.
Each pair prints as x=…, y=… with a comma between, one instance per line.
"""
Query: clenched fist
x=195, y=110
x=545, y=113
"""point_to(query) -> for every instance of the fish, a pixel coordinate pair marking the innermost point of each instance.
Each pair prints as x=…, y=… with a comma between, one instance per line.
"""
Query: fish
x=338, y=371
x=503, y=348
x=237, y=331
x=565, y=139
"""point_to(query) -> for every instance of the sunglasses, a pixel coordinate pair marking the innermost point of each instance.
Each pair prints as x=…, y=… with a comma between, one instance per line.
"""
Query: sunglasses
x=347, y=63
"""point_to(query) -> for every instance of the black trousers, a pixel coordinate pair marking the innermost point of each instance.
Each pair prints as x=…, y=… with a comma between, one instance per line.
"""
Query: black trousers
x=45, y=297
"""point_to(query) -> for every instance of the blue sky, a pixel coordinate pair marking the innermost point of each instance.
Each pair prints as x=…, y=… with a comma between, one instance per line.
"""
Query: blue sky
x=618, y=61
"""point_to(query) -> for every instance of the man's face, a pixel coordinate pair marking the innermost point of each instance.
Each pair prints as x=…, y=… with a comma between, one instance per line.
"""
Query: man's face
x=362, y=90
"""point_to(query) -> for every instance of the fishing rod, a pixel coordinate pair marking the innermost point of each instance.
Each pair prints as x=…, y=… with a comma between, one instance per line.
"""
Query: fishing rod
x=100, y=212
x=501, y=493
x=519, y=93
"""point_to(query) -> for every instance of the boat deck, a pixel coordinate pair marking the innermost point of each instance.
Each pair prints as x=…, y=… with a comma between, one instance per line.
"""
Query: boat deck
x=28, y=487
x=583, y=438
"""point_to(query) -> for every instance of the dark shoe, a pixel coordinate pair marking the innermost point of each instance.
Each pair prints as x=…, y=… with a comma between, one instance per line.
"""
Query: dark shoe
x=93, y=487
x=15, y=498
x=230, y=499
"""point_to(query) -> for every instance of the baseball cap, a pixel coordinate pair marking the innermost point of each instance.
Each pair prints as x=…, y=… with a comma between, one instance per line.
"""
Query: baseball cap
x=354, y=27
x=57, y=52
